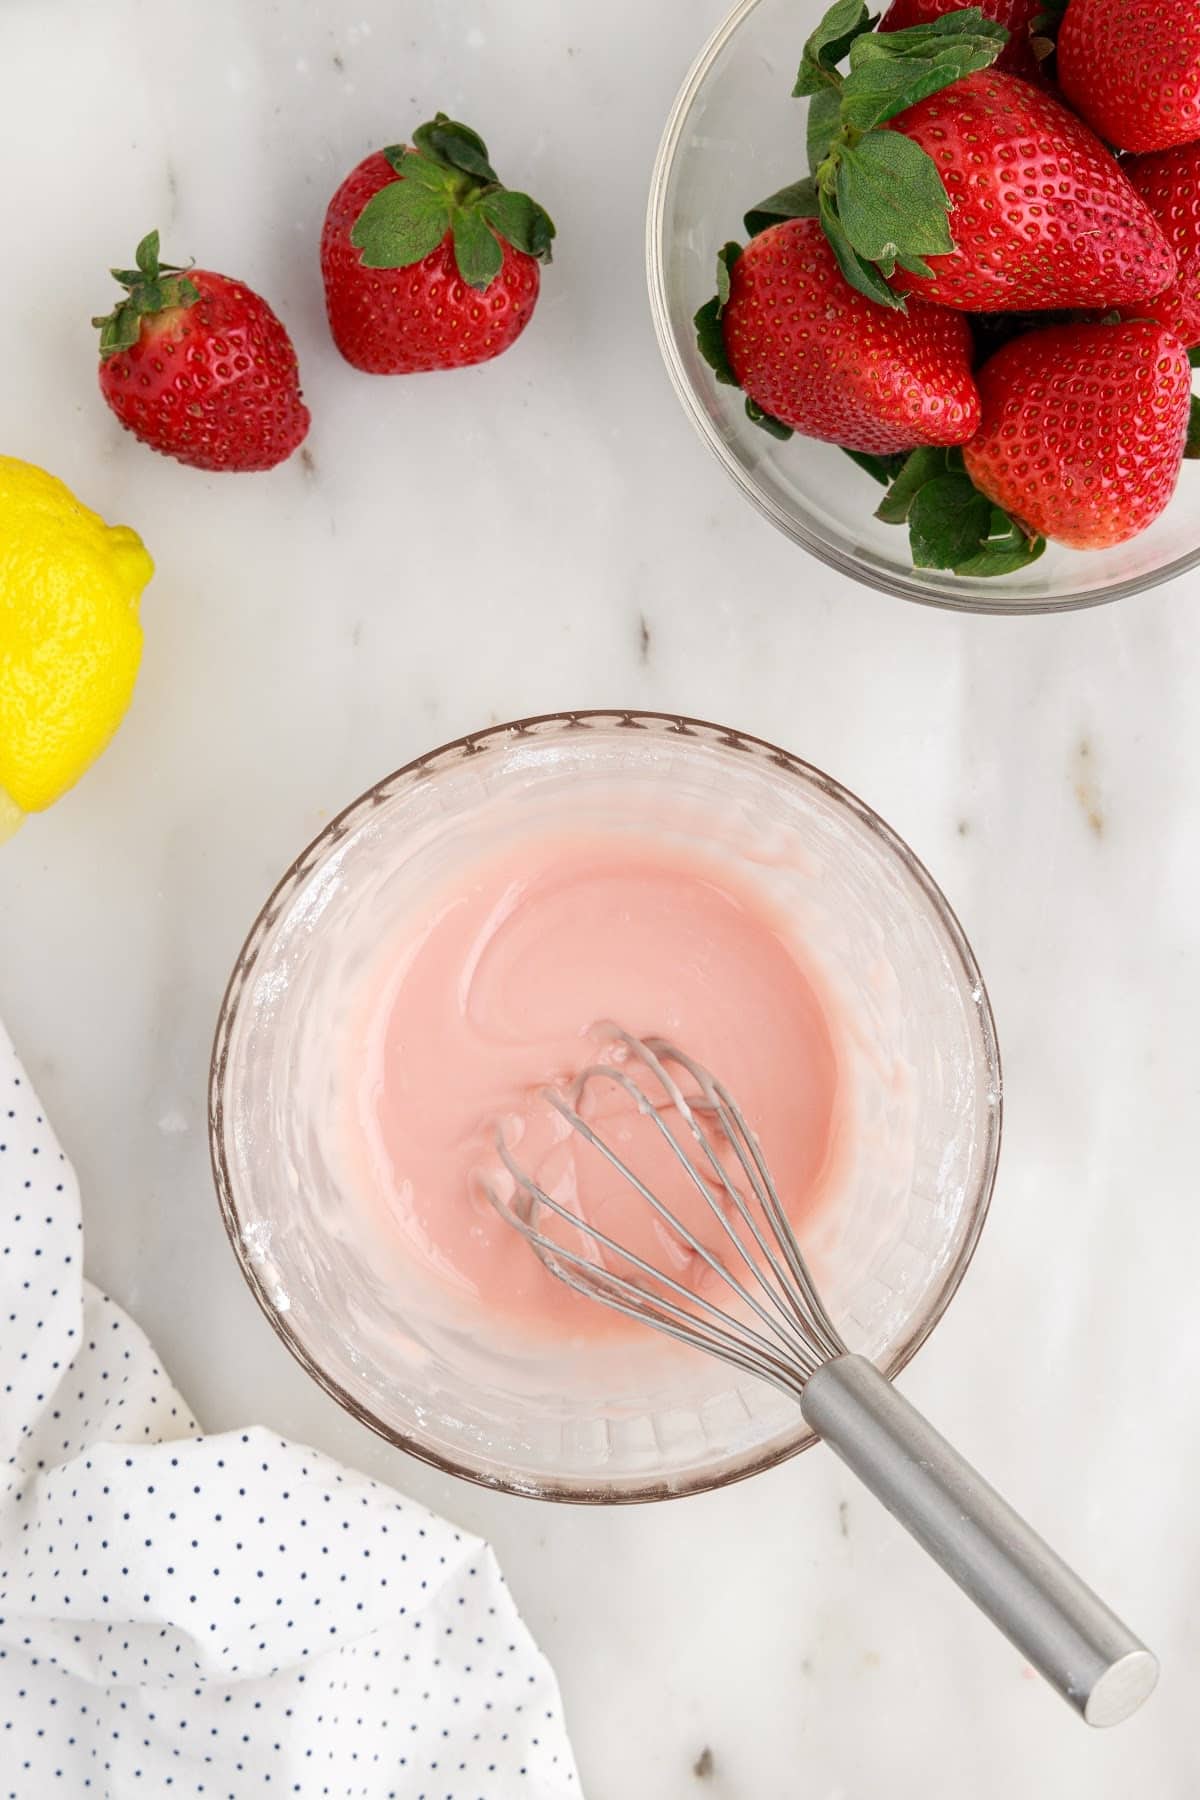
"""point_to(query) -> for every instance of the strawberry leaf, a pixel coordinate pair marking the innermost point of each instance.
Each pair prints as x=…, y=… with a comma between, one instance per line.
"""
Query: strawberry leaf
x=477, y=249
x=860, y=273
x=845, y=20
x=422, y=169
x=1006, y=550
x=883, y=469
x=153, y=287
x=457, y=145
x=773, y=427
x=727, y=255
x=890, y=199
x=877, y=91
x=118, y=331
x=447, y=184
x=520, y=221
x=918, y=467
x=993, y=562
x=824, y=124
x=951, y=525
x=146, y=255
x=914, y=265
x=892, y=71
x=175, y=290
x=710, y=341
x=1194, y=357
x=710, y=338
x=1191, y=448
x=961, y=35
x=948, y=521
x=400, y=225
x=798, y=201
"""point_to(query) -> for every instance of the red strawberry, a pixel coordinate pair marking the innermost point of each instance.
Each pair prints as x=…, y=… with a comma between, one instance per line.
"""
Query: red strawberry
x=1017, y=16
x=812, y=353
x=1041, y=215
x=428, y=262
x=1132, y=68
x=199, y=367
x=1083, y=430
x=1169, y=183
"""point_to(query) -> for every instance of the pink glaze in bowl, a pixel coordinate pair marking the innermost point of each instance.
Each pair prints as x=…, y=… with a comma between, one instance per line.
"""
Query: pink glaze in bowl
x=638, y=1420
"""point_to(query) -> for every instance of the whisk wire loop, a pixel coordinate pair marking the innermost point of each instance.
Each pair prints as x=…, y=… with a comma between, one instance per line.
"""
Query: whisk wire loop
x=811, y=1313
x=656, y=1054
x=590, y=1278
x=773, y=1316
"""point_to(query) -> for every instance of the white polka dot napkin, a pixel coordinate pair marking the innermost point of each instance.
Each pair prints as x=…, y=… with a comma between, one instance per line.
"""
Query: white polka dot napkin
x=230, y=1615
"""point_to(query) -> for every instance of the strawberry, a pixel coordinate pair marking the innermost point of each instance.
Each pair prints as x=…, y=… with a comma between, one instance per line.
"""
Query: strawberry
x=1083, y=430
x=1132, y=68
x=1042, y=215
x=1017, y=17
x=936, y=175
x=428, y=262
x=1169, y=183
x=199, y=367
x=814, y=356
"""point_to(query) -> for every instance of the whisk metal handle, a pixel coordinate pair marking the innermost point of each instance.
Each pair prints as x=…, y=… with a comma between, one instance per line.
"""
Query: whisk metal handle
x=1052, y=1617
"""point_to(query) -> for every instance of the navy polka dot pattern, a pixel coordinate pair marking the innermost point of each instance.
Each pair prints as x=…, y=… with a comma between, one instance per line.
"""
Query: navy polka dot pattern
x=225, y=1616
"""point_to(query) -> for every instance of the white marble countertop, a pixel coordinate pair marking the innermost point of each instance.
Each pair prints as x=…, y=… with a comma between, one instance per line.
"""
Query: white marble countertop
x=544, y=533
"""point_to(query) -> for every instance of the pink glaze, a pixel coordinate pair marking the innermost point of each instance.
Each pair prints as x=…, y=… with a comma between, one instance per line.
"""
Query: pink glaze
x=495, y=993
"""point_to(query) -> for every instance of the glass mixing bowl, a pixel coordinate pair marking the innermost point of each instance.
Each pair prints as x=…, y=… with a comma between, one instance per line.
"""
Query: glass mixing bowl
x=637, y=1418
x=734, y=136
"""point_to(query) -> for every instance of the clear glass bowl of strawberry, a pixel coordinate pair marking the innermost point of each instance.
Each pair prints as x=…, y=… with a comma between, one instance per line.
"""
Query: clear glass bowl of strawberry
x=734, y=135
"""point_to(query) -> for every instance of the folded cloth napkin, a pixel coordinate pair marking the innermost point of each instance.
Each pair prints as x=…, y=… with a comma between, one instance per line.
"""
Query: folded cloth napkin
x=221, y=1615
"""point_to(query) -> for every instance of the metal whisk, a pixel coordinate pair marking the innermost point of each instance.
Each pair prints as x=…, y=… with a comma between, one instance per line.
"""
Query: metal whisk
x=776, y=1327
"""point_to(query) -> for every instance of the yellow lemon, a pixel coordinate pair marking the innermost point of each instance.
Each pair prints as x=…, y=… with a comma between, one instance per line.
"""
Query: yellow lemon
x=70, y=640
